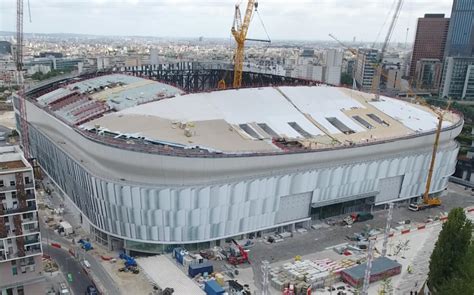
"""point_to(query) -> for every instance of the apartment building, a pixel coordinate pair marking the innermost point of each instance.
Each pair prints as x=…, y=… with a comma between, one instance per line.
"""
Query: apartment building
x=20, y=240
x=365, y=70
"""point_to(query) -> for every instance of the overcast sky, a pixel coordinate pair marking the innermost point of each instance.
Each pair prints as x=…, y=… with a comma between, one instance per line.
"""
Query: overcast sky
x=284, y=19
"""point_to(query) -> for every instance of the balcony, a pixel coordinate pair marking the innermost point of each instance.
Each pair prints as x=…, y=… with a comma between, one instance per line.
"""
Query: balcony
x=30, y=196
x=3, y=189
x=30, y=250
x=31, y=241
x=29, y=219
x=31, y=230
x=33, y=251
x=19, y=210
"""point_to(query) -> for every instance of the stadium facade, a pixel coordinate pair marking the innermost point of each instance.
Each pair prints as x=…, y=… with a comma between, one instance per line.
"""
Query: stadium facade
x=147, y=166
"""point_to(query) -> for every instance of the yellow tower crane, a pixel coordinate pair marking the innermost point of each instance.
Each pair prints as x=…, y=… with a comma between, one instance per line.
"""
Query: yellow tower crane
x=239, y=31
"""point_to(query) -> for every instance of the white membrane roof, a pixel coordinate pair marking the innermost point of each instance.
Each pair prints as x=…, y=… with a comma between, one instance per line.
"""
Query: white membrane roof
x=244, y=106
x=409, y=115
x=247, y=120
x=324, y=102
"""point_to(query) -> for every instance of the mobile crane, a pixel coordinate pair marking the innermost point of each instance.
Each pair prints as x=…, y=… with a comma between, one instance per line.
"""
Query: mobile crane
x=428, y=201
x=238, y=258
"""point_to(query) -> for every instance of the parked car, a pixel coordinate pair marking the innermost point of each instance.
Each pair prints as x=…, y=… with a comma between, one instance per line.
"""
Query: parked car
x=86, y=263
x=63, y=289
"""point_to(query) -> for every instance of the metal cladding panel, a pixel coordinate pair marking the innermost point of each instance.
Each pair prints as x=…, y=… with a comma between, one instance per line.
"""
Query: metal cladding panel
x=293, y=207
x=389, y=189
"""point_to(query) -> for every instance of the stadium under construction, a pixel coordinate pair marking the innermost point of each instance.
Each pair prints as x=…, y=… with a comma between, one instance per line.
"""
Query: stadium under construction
x=153, y=157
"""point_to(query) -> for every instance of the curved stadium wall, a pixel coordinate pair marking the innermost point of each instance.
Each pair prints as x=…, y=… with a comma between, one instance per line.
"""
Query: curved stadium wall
x=164, y=199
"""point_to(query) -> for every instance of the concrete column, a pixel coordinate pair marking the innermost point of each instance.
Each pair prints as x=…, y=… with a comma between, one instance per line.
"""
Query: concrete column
x=293, y=227
x=109, y=243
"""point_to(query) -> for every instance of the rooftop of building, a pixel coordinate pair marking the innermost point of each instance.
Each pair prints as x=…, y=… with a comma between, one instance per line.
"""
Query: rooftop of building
x=248, y=120
x=380, y=265
x=11, y=159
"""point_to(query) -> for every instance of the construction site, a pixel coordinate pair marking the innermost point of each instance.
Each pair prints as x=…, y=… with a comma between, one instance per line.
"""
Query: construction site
x=182, y=179
x=330, y=257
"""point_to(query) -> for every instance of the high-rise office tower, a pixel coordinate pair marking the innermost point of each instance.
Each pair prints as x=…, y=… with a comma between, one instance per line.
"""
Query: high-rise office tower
x=430, y=39
x=461, y=32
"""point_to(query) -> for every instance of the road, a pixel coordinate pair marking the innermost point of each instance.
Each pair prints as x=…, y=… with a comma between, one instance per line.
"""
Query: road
x=105, y=281
x=68, y=265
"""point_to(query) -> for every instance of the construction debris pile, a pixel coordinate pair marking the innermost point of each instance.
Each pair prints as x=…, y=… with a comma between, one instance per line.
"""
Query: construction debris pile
x=300, y=276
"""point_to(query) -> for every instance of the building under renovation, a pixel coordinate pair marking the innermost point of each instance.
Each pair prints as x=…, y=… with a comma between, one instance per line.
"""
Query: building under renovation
x=148, y=166
x=20, y=239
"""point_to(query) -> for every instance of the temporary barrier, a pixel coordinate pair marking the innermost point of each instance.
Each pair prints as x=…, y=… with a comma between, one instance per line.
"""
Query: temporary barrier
x=56, y=245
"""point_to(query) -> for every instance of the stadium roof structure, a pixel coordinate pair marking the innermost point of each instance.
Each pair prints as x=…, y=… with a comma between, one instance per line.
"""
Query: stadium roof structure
x=248, y=120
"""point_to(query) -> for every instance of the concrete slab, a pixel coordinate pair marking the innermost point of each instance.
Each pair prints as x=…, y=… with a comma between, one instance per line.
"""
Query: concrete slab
x=165, y=274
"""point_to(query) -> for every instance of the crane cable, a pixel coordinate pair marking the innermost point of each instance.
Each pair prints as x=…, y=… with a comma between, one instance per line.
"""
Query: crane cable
x=266, y=33
x=384, y=23
x=263, y=25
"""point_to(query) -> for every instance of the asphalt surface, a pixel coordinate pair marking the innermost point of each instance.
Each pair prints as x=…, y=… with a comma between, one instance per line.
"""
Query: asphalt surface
x=109, y=286
x=68, y=265
x=318, y=240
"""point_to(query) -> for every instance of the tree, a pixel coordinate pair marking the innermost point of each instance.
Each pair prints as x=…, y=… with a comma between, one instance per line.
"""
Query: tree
x=346, y=79
x=448, y=260
x=462, y=284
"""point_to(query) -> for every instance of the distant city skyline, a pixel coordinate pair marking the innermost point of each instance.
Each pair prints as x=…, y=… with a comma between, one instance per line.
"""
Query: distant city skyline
x=299, y=20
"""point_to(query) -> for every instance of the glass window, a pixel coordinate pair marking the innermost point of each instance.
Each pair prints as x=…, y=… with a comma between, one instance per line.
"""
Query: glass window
x=14, y=271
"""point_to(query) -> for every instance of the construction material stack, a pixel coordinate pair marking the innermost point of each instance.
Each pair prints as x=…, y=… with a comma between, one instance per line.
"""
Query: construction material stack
x=303, y=275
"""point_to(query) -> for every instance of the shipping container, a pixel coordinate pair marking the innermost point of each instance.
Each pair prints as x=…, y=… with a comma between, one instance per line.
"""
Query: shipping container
x=179, y=253
x=213, y=288
x=195, y=269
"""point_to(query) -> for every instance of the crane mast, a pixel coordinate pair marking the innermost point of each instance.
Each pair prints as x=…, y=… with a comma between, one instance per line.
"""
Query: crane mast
x=378, y=67
x=239, y=31
x=19, y=69
x=426, y=197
